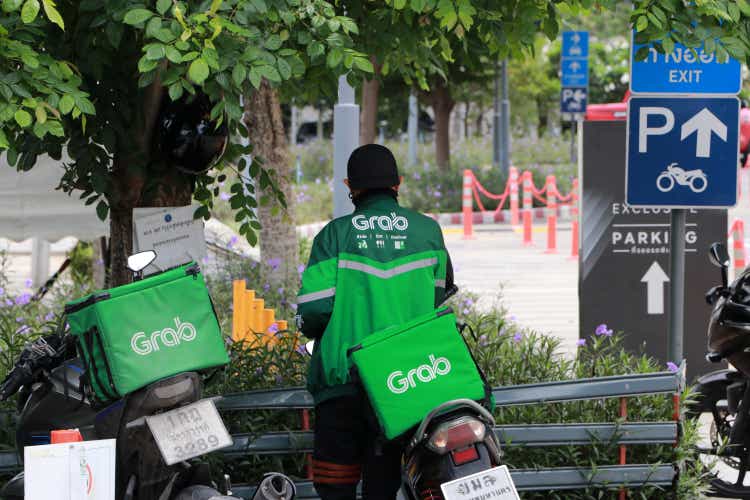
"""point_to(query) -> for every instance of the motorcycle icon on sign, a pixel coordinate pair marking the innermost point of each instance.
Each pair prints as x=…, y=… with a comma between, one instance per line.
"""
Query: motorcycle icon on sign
x=696, y=180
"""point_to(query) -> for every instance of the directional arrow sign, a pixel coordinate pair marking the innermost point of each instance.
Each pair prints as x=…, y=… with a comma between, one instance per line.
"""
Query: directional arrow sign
x=655, y=278
x=703, y=124
x=575, y=44
x=682, y=152
x=575, y=66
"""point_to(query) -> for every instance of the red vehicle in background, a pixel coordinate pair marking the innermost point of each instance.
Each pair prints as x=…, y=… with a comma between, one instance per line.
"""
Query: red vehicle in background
x=619, y=111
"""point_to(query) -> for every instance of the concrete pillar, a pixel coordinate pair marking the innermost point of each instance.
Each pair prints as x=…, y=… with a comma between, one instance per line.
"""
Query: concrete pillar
x=345, y=140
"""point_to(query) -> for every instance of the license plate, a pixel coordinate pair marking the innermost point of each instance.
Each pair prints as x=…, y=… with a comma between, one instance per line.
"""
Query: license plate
x=490, y=484
x=189, y=431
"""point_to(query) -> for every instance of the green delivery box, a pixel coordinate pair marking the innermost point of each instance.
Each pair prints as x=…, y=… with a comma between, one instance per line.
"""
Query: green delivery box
x=408, y=370
x=138, y=333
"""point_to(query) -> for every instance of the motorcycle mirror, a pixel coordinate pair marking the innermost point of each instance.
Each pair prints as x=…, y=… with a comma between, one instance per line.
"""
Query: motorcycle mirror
x=719, y=255
x=310, y=347
x=720, y=258
x=139, y=261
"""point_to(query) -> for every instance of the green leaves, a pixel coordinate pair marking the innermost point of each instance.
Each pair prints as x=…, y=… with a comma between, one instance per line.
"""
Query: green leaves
x=238, y=75
x=52, y=13
x=23, y=118
x=162, y=6
x=29, y=11
x=11, y=5
x=66, y=104
x=137, y=16
x=102, y=209
x=198, y=71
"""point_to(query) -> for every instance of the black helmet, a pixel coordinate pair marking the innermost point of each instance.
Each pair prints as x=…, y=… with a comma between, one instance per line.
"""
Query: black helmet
x=188, y=137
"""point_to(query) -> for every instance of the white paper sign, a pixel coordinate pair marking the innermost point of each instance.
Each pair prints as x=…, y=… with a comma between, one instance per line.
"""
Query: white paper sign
x=70, y=471
x=493, y=483
x=172, y=233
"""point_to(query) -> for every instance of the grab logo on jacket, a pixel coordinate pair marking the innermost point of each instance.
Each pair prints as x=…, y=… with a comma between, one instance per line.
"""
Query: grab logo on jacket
x=144, y=345
x=383, y=222
x=399, y=383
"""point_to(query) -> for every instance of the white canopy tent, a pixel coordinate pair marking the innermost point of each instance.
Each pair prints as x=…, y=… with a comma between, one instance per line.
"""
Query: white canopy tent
x=31, y=208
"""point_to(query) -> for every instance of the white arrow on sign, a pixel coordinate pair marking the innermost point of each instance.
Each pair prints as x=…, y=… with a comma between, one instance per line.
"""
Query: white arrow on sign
x=655, y=278
x=576, y=38
x=575, y=66
x=703, y=123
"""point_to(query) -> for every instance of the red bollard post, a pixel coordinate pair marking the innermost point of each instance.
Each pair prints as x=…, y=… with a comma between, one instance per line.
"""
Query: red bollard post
x=466, y=203
x=514, y=215
x=527, y=210
x=551, y=215
x=738, y=246
x=574, y=216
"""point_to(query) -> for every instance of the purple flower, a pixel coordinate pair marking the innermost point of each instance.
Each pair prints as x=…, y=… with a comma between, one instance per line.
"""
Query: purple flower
x=274, y=328
x=301, y=268
x=280, y=291
x=224, y=196
x=259, y=371
x=274, y=263
x=317, y=180
x=23, y=299
x=437, y=194
x=19, y=319
x=466, y=312
x=603, y=330
x=8, y=302
x=293, y=307
x=483, y=340
x=232, y=241
x=99, y=262
x=301, y=349
x=2, y=290
x=517, y=337
x=205, y=259
x=416, y=176
x=49, y=317
x=266, y=287
x=28, y=283
x=279, y=380
x=581, y=342
x=672, y=367
x=468, y=302
x=513, y=317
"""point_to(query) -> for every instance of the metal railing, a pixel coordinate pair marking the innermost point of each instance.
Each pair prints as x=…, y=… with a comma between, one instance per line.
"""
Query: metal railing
x=532, y=435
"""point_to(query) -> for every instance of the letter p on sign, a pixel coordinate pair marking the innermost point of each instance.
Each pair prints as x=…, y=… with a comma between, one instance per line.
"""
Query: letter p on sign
x=644, y=130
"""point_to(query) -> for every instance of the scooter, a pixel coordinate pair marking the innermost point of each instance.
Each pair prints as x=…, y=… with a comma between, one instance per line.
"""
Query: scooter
x=456, y=440
x=48, y=380
x=723, y=396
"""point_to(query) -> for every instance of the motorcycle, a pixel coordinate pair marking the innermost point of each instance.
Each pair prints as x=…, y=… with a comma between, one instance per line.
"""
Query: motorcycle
x=696, y=180
x=456, y=440
x=51, y=395
x=723, y=396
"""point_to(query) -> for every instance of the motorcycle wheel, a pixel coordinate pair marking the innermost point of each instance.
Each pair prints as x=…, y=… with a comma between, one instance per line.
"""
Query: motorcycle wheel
x=698, y=184
x=661, y=185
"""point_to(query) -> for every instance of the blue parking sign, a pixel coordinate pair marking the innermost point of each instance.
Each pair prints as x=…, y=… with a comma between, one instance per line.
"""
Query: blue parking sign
x=683, y=72
x=573, y=99
x=575, y=44
x=575, y=72
x=682, y=151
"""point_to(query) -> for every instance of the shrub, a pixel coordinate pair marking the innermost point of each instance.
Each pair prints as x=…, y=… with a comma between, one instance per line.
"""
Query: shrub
x=427, y=188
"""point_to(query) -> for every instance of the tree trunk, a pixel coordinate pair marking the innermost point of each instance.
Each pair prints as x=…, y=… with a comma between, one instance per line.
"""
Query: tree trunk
x=442, y=105
x=542, y=113
x=467, y=108
x=480, y=119
x=368, y=126
x=319, y=129
x=279, y=249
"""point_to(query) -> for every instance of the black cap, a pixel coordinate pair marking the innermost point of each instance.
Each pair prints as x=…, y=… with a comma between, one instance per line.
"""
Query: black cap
x=372, y=166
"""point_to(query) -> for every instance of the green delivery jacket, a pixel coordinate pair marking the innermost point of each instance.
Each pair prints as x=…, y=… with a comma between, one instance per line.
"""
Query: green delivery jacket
x=383, y=265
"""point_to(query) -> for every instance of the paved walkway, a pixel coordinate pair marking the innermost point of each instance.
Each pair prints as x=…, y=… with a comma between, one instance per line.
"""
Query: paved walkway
x=539, y=289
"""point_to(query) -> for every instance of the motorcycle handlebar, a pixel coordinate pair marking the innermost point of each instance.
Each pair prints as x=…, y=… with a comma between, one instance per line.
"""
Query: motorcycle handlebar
x=11, y=384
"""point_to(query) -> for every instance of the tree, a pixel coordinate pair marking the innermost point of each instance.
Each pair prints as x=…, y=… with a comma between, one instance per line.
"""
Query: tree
x=94, y=91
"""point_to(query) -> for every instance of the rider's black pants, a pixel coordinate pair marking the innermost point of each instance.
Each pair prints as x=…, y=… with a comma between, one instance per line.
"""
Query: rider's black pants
x=346, y=450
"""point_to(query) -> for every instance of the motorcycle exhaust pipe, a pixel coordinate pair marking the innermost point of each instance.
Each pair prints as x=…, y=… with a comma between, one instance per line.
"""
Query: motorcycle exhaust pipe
x=275, y=486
